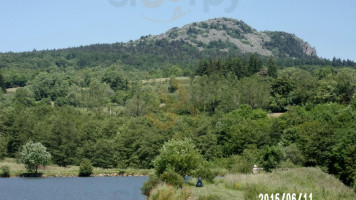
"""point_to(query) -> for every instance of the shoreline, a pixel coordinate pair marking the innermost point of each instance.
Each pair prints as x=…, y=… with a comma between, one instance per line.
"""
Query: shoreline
x=19, y=170
x=72, y=176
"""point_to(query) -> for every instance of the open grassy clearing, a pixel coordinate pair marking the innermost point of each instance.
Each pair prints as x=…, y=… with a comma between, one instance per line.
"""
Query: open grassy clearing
x=162, y=80
x=248, y=186
x=12, y=90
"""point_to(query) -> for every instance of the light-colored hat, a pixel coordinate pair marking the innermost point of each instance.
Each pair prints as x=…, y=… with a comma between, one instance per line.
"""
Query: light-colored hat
x=255, y=166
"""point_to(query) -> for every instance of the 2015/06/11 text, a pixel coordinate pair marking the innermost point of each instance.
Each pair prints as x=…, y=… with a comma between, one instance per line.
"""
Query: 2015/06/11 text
x=286, y=196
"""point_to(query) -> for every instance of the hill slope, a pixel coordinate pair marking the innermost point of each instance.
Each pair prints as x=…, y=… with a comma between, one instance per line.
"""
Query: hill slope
x=225, y=33
x=184, y=46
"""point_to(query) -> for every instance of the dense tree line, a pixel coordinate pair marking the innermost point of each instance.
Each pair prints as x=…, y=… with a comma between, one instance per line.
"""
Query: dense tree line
x=115, y=118
x=154, y=57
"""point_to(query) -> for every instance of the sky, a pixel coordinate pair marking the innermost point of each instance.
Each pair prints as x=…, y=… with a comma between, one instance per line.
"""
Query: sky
x=25, y=25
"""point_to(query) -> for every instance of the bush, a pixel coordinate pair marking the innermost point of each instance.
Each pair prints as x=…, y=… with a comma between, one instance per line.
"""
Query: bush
x=205, y=173
x=168, y=192
x=86, y=168
x=293, y=154
x=178, y=155
x=271, y=158
x=287, y=164
x=151, y=183
x=241, y=165
x=172, y=178
x=220, y=171
x=5, y=171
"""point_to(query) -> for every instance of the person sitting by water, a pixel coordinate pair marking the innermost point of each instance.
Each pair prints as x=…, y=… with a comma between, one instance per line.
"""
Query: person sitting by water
x=199, y=183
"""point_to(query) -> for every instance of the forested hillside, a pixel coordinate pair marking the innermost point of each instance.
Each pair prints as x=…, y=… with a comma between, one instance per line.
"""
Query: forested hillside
x=176, y=52
x=96, y=103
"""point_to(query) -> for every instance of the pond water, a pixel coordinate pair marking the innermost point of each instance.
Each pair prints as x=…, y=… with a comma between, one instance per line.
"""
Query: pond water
x=77, y=188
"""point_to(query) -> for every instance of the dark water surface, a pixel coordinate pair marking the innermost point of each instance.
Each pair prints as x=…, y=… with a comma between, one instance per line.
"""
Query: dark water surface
x=118, y=188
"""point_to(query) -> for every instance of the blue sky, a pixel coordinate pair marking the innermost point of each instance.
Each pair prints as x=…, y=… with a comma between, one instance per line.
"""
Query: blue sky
x=328, y=25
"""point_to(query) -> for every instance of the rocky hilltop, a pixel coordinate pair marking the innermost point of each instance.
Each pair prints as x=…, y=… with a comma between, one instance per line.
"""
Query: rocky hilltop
x=225, y=33
x=185, y=47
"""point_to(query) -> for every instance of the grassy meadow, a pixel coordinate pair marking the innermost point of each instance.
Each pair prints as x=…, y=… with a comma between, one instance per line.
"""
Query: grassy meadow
x=248, y=186
x=18, y=169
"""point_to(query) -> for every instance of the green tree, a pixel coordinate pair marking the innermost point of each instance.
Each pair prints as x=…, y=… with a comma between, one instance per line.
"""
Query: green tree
x=271, y=158
x=255, y=91
x=353, y=103
x=343, y=159
x=272, y=68
x=23, y=97
x=179, y=156
x=5, y=171
x=175, y=71
x=173, y=85
x=3, y=150
x=85, y=168
x=33, y=155
x=255, y=64
x=281, y=89
x=2, y=83
x=316, y=141
x=104, y=154
x=97, y=95
x=115, y=79
x=46, y=85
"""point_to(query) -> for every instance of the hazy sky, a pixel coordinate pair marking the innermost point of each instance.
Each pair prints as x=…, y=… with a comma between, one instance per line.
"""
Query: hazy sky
x=328, y=25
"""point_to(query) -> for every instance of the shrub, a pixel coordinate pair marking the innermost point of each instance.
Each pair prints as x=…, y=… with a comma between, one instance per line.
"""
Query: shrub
x=178, y=155
x=241, y=165
x=173, y=85
x=168, y=192
x=205, y=173
x=151, y=183
x=219, y=171
x=86, y=168
x=5, y=171
x=271, y=158
x=172, y=178
x=293, y=154
x=287, y=164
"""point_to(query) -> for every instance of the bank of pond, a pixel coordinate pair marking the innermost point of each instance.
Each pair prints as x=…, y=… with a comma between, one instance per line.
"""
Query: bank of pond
x=230, y=186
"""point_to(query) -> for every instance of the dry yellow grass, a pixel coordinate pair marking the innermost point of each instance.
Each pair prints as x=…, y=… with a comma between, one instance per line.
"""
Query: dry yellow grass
x=275, y=115
x=162, y=80
x=11, y=90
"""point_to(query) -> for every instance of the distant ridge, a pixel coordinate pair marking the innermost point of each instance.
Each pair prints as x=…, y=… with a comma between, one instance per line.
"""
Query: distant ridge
x=185, y=46
x=235, y=33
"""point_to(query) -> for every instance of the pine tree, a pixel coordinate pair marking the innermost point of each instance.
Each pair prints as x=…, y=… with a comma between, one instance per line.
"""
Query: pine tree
x=2, y=84
x=272, y=68
x=255, y=64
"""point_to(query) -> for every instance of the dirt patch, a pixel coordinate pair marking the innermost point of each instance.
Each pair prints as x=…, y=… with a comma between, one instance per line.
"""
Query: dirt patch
x=11, y=90
x=164, y=80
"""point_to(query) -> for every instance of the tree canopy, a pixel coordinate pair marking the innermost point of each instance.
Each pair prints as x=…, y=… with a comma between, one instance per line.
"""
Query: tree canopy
x=33, y=155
